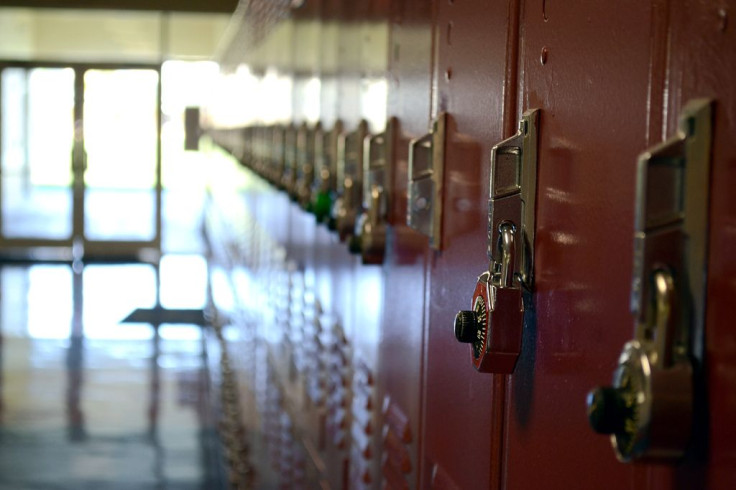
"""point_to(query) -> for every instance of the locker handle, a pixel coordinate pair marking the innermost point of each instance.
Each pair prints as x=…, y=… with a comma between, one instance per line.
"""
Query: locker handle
x=325, y=160
x=426, y=180
x=372, y=225
x=306, y=139
x=289, y=175
x=346, y=209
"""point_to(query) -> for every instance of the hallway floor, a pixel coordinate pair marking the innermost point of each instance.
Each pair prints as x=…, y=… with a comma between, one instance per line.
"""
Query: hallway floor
x=89, y=402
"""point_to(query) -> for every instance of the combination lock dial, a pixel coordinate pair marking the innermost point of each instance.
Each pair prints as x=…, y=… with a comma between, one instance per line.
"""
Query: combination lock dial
x=471, y=326
x=621, y=410
x=493, y=350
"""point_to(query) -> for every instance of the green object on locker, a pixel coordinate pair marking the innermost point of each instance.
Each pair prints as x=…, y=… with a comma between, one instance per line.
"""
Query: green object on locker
x=321, y=206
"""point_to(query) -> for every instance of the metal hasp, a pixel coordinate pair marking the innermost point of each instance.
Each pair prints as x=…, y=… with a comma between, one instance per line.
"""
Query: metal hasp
x=494, y=325
x=246, y=155
x=649, y=410
x=377, y=172
x=325, y=157
x=258, y=159
x=192, y=128
x=305, y=163
x=426, y=181
x=349, y=184
x=273, y=149
x=288, y=178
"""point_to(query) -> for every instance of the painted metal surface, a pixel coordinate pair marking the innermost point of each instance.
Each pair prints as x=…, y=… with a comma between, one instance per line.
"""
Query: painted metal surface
x=584, y=226
x=462, y=414
x=403, y=406
x=702, y=65
x=402, y=334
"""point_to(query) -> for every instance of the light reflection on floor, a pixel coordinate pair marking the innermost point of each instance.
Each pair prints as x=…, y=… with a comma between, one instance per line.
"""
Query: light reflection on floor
x=88, y=402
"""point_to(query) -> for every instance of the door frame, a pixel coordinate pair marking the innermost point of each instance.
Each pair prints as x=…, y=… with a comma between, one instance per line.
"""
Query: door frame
x=78, y=246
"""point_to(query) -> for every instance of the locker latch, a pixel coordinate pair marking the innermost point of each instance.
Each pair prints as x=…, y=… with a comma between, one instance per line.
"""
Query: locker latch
x=288, y=178
x=258, y=161
x=305, y=163
x=648, y=412
x=372, y=224
x=494, y=325
x=325, y=157
x=426, y=179
x=349, y=182
x=273, y=147
x=246, y=157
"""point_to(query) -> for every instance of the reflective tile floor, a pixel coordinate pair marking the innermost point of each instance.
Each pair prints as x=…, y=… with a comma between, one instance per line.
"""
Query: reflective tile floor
x=88, y=402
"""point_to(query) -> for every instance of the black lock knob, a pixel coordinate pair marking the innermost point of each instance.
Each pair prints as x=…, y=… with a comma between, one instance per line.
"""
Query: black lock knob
x=354, y=245
x=466, y=326
x=607, y=410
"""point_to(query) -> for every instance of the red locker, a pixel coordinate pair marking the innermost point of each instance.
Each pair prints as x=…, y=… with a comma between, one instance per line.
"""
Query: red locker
x=587, y=68
x=464, y=408
x=568, y=162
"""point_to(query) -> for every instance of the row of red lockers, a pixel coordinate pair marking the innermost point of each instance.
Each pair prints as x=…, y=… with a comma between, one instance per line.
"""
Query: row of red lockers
x=608, y=81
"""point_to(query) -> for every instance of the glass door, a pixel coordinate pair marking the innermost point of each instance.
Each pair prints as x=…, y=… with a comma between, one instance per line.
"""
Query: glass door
x=121, y=180
x=36, y=141
x=80, y=155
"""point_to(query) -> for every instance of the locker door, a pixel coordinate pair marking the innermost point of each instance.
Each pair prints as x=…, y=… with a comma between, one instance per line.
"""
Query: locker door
x=702, y=64
x=475, y=49
x=337, y=264
x=401, y=348
x=589, y=68
x=364, y=116
x=300, y=345
x=331, y=357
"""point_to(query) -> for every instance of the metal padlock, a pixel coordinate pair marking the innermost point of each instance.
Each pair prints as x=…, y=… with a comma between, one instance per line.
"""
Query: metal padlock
x=349, y=183
x=288, y=177
x=272, y=148
x=495, y=324
x=306, y=163
x=325, y=160
x=372, y=228
x=372, y=225
x=497, y=304
x=648, y=411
